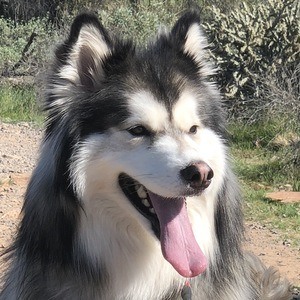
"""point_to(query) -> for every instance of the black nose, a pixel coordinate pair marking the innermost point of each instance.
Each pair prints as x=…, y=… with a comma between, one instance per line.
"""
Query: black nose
x=197, y=175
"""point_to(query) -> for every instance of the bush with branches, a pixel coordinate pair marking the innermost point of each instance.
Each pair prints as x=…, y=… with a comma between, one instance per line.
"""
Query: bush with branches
x=250, y=43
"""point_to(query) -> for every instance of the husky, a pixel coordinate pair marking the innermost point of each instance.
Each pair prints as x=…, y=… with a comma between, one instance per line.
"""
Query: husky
x=133, y=196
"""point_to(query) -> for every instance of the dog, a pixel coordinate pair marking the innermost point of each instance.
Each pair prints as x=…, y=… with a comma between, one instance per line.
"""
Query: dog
x=133, y=196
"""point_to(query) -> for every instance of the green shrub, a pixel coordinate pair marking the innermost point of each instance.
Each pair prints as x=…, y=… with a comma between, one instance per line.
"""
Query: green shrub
x=15, y=36
x=141, y=22
x=250, y=43
x=18, y=103
x=138, y=19
x=267, y=151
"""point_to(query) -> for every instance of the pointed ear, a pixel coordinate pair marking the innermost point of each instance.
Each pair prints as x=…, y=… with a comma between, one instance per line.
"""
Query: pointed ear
x=189, y=38
x=81, y=57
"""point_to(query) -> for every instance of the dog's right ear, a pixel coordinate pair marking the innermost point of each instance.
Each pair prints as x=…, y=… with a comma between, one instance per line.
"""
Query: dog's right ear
x=189, y=39
x=80, y=59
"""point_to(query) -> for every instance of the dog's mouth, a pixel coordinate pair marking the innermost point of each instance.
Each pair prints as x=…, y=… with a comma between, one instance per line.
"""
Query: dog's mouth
x=171, y=225
x=139, y=197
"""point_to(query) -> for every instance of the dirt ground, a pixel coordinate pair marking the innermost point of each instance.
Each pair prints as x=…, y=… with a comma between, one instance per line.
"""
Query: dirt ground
x=18, y=151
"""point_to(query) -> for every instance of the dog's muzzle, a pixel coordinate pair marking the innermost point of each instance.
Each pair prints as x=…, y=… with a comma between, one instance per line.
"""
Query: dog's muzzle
x=169, y=217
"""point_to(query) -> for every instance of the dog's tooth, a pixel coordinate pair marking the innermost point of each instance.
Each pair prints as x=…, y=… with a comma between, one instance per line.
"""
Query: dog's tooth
x=152, y=210
x=141, y=192
x=145, y=202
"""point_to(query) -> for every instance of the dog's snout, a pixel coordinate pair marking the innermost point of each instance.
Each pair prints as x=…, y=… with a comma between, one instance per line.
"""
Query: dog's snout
x=197, y=175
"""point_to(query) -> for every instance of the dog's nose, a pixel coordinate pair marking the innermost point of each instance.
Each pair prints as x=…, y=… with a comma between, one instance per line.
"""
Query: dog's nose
x=197, y=175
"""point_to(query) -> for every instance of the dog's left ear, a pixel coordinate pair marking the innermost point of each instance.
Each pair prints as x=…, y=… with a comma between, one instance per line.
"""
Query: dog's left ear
x=82, y=56
x=189, y=38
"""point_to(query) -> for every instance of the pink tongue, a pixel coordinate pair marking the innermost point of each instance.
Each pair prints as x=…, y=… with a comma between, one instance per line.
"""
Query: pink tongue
x=178, y=242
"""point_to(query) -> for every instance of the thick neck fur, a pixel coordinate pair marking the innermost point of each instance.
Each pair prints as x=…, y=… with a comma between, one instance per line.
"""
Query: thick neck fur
x=133, y=256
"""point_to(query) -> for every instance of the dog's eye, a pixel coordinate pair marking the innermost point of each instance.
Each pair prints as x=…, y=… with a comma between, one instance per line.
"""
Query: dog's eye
x=138, y=130
x=193, y=129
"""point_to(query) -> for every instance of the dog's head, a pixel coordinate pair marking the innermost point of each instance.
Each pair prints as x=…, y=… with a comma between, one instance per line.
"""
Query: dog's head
x=146, y=127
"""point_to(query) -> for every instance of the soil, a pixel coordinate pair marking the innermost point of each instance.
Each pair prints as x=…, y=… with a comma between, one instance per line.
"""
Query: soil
x=19, y=144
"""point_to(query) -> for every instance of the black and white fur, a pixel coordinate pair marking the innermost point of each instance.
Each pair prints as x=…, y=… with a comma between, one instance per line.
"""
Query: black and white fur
x=149, y=113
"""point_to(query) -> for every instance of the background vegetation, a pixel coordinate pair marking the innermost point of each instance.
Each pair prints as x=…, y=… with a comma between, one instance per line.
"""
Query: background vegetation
x=254, y=44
